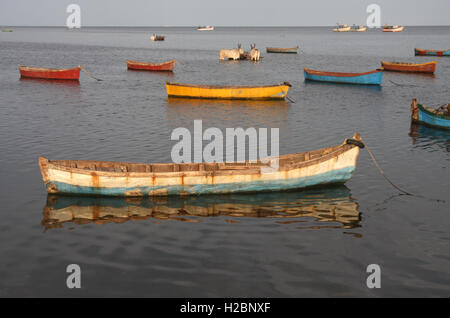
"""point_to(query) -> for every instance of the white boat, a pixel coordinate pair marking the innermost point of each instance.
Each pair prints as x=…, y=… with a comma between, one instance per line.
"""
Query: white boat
x=342, y=28
x=205, y=28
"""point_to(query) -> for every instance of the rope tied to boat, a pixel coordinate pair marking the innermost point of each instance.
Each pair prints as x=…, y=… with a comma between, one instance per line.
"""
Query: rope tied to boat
x=90, y=75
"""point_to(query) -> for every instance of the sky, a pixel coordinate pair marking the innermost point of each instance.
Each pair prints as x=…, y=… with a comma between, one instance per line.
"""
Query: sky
x=222, y=13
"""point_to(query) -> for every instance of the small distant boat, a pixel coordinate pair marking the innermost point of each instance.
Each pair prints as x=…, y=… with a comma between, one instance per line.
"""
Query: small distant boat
x=321, y=167
x=50, y=73
x=342, y=28
x=367, y=78
x=358, y=28
x=205, y=28
x=393, y=28
x=409, y=67
x=432, y=52
x=278, y=91
x=7, y=30
x=143, y=66
x=439, y=118
x=292, y=50
x=157, y=37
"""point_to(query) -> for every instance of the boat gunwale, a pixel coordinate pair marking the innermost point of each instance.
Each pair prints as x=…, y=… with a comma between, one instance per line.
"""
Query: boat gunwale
x=43, y=69
x=222, y=87
x=434, y=51
x=431, y=111
x=338, y=74
x=134, y=62
x=407, y=64
x=282, y=48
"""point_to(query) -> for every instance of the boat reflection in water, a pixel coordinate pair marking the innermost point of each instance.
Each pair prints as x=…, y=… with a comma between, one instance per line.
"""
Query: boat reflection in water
x=200, y=102
x=427, y=137
x=330, y=207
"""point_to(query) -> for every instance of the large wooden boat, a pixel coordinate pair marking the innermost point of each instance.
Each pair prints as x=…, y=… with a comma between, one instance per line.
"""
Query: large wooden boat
x=342, y=28
x=432, y=52
x=367, y=78
x=428, y=67
x=205, y=28
x=292, y=50
x=393, y=28
x=439, y=118
x=328, y=205
x=278, y=91
x=332, y=165
x=143, y=66
x=50, y=73
x=155, y=37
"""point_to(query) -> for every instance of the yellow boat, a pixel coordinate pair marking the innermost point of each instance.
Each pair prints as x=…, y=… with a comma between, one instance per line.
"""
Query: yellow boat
x=278, y=91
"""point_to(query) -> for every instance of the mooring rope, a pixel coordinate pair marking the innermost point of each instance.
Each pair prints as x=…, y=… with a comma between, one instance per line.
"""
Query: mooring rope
x=412, y=85
x=290, y=99
x=90, y=75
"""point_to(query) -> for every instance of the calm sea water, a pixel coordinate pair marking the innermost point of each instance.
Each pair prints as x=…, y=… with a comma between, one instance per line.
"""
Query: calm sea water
x=311, y=243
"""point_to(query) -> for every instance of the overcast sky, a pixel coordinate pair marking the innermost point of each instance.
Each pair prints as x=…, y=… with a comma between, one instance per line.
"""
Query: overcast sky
x=223, y=13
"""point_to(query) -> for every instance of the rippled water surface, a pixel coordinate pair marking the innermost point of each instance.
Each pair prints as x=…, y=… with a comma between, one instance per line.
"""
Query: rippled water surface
x=310, y=243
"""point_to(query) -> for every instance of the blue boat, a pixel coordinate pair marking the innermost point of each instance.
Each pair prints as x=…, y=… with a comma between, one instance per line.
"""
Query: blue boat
x=368, y=78
x=439, y=118
x=431, y=52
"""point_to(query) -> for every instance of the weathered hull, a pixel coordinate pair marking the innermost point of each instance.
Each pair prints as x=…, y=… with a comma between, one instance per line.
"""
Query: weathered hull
x=228, y=92
x=332, y=165
x=160, y=67
x=429, y=67
x=424, y=115
x=369, y=78
x=432, y=52
x=292, y=50
x=50, y=74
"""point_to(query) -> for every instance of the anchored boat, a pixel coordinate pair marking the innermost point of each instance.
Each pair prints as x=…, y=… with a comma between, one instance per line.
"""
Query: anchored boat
x=342, y=28
x=432, y=52
x=143, y=66
x=368, y=78
x=292, y=50
x=428, y=67
x=332, y=165
x=393, y=28
x=157, y=37
x=358, y=28
x=278, y=91
x=439, y=118
x=50, y=73
x=205, y=28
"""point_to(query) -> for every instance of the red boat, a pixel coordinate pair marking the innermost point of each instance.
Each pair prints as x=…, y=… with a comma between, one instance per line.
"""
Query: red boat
x=428, y=67
x=166, y=66
x=50, y=73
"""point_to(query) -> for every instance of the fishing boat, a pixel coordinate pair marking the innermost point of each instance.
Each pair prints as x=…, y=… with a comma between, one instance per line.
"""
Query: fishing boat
x=432, y=52
x=7, y=30
x=358, y=28
x=205, y=28
x=367, y=78
x=393, y=28
x=428, y=67
x=342, y=28
x=292, y=50
x=332, y=165
x=278, y=91
x=157, y=37
x=439, y=118
x=143, y=66
x=50, y=73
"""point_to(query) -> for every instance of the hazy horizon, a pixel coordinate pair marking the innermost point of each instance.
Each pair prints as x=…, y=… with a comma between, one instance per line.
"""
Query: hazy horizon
x=252, y=13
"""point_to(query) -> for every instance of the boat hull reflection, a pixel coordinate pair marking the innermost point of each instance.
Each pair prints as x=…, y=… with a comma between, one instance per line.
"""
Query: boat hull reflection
x=331, y=205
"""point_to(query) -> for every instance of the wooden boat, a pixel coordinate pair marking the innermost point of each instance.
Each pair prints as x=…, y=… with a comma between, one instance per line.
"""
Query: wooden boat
x=292, y=50
x=432, y=52
x=331, y=205
x=50, y=73
x=342, y=28
x=393, y=28
x=439, y=118
x=332, y=165
x=157, y=37
x=358, y=28
x=368, y=78
x=142, y=66
x=428, y=67
x=205, y=28
x=278, y=91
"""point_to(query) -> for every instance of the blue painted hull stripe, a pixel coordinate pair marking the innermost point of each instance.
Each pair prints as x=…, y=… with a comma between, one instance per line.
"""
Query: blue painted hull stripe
x=368, y=79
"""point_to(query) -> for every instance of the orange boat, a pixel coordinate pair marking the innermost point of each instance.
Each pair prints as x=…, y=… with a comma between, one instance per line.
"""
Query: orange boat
x=142, y=66
x=409, y=67
x=50, y=73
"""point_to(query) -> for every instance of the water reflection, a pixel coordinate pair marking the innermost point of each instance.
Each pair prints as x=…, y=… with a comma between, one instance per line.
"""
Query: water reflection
x=315, y=208
x=200, y=102
x=51, y=82
x=426, y=137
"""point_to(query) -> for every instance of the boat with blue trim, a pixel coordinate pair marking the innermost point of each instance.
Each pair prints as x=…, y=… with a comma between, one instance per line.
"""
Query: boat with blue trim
x=425, y=52
x=439, y=117
x=368, y=78
x=331, y=165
